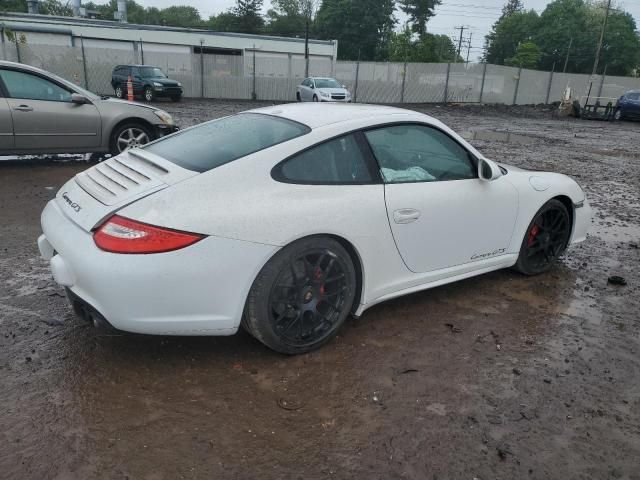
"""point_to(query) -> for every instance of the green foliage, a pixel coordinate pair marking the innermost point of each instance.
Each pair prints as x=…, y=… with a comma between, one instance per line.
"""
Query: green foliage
x=362, y=27
x=565, y=22
x=223, y=22
x=13, y=6
x=419, y=13
x=406, y=47
x=288, y=18
x=507, y=33
x=249, y=19
x=527, y=56
x=55, y=7
x=511, y=7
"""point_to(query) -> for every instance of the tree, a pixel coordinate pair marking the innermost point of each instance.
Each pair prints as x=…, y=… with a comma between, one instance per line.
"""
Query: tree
x=419, y=13
x=362, y=27
x=180, y=16
x=509, y=32
x=13, y=6
x=527, y=56
x=511, y=7
x=55, y=7
x=249, y=19
x=288, y=18
x=224, y=22
x=406, y=47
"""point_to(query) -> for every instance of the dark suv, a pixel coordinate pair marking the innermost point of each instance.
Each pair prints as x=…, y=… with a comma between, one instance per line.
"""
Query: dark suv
x=149, y=82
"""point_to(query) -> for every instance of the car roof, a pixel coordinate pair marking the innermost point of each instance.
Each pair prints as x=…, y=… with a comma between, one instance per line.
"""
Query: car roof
x=316, y=115
x=6, y=63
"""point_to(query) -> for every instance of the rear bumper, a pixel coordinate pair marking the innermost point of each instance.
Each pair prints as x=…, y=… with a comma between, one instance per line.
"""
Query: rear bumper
x=198, y=290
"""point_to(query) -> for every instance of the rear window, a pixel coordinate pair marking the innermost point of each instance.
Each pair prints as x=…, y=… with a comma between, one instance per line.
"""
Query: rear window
x=215, y=143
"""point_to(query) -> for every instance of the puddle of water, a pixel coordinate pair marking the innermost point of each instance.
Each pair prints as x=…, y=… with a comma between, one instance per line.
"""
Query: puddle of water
x=492, y=135
x=612, y=230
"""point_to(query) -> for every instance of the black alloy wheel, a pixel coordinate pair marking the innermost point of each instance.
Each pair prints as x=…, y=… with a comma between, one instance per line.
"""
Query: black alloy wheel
x=546, y=238
x=302, y=296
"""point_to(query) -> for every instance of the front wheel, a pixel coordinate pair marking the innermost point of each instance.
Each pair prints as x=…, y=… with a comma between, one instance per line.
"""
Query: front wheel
x=302, y=296
x=617, y=115
x=149, y=94
x=129, y=135
x=298, y=98
x=315, y=98
x=546, y=239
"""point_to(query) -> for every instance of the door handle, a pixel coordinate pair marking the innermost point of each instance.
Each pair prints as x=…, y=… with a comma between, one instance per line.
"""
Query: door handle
x=24, y=108
x=406, y=215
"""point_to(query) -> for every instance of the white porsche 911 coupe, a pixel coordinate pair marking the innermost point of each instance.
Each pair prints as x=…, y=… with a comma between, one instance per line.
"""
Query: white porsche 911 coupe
x=287, y=219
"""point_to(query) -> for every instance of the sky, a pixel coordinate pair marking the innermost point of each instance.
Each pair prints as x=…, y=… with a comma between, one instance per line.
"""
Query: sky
x=477, y=15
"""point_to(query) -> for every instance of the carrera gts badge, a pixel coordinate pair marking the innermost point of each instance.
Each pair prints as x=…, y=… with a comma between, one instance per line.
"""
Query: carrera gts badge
x=479, y=256
x=71, y=203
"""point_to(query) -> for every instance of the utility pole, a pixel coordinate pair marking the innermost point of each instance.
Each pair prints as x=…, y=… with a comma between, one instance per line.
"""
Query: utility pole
x=566, y=59
x=604, y=27
x=462, y=29
x=469, y=46
x=306, y=48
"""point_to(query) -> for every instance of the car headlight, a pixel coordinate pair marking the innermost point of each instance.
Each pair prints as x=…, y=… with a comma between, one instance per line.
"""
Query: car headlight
x=164, y=116
x=179, y=84
x=156, y=84
x=325, y=94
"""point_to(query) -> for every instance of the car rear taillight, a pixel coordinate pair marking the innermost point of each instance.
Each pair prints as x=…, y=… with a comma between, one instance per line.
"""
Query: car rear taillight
x=123, y=235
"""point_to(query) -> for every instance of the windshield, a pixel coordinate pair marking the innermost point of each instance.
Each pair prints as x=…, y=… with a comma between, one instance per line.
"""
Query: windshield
x=215, y=143
x=151, y=72
x=327, y=83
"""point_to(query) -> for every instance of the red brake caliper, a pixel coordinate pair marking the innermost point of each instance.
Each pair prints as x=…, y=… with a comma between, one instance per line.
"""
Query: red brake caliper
x=533, y=233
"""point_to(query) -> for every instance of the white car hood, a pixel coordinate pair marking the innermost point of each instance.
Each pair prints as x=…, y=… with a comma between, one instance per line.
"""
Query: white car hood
x=93, y=195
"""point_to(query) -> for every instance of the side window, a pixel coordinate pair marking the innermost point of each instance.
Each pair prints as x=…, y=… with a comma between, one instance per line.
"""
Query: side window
x=633, y=96
x=337, y=161
x=306, y=82
x=416, y=153
x=32, y=87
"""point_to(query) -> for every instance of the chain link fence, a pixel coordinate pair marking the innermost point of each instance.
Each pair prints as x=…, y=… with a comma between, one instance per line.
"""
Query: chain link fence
x=274, y=76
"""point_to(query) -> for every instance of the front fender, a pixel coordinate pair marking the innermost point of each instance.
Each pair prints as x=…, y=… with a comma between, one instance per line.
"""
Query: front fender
x=537, y=188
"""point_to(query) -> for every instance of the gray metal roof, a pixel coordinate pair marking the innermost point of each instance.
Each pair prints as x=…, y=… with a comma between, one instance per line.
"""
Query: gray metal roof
x=88, y=22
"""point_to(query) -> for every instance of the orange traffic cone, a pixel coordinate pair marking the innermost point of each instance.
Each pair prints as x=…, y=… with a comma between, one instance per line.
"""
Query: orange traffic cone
x=129, y=89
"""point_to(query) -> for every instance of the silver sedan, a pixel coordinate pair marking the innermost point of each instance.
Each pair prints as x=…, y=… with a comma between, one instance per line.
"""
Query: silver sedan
x=41, y=113
x=322, y=89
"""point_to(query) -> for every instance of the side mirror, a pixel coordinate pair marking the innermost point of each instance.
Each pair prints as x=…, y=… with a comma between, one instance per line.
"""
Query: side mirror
x=487, y=170
x=79, y=99
x=313, y=86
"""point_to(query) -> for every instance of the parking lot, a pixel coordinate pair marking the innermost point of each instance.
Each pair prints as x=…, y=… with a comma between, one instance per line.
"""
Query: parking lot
x=496, y=377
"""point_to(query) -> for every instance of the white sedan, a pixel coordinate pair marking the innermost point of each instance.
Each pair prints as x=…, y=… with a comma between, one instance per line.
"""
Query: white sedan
x=287, y=219
x=320, y=89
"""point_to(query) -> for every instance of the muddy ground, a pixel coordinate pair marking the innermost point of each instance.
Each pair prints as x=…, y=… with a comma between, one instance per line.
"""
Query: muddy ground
x=495, y=377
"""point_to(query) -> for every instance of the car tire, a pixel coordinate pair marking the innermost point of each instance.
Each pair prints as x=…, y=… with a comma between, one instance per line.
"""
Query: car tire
x=617, y=115
x=176, y=98
x=302, y=296
x=148, y=94
x=315, y=98
x=119, y=92
x=298, y=98
x=123, y=131
x=546, y=238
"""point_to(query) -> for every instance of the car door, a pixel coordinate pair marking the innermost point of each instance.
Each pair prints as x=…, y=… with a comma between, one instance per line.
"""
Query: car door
x=6, y=127
x=44, y=118
x=441, y=214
